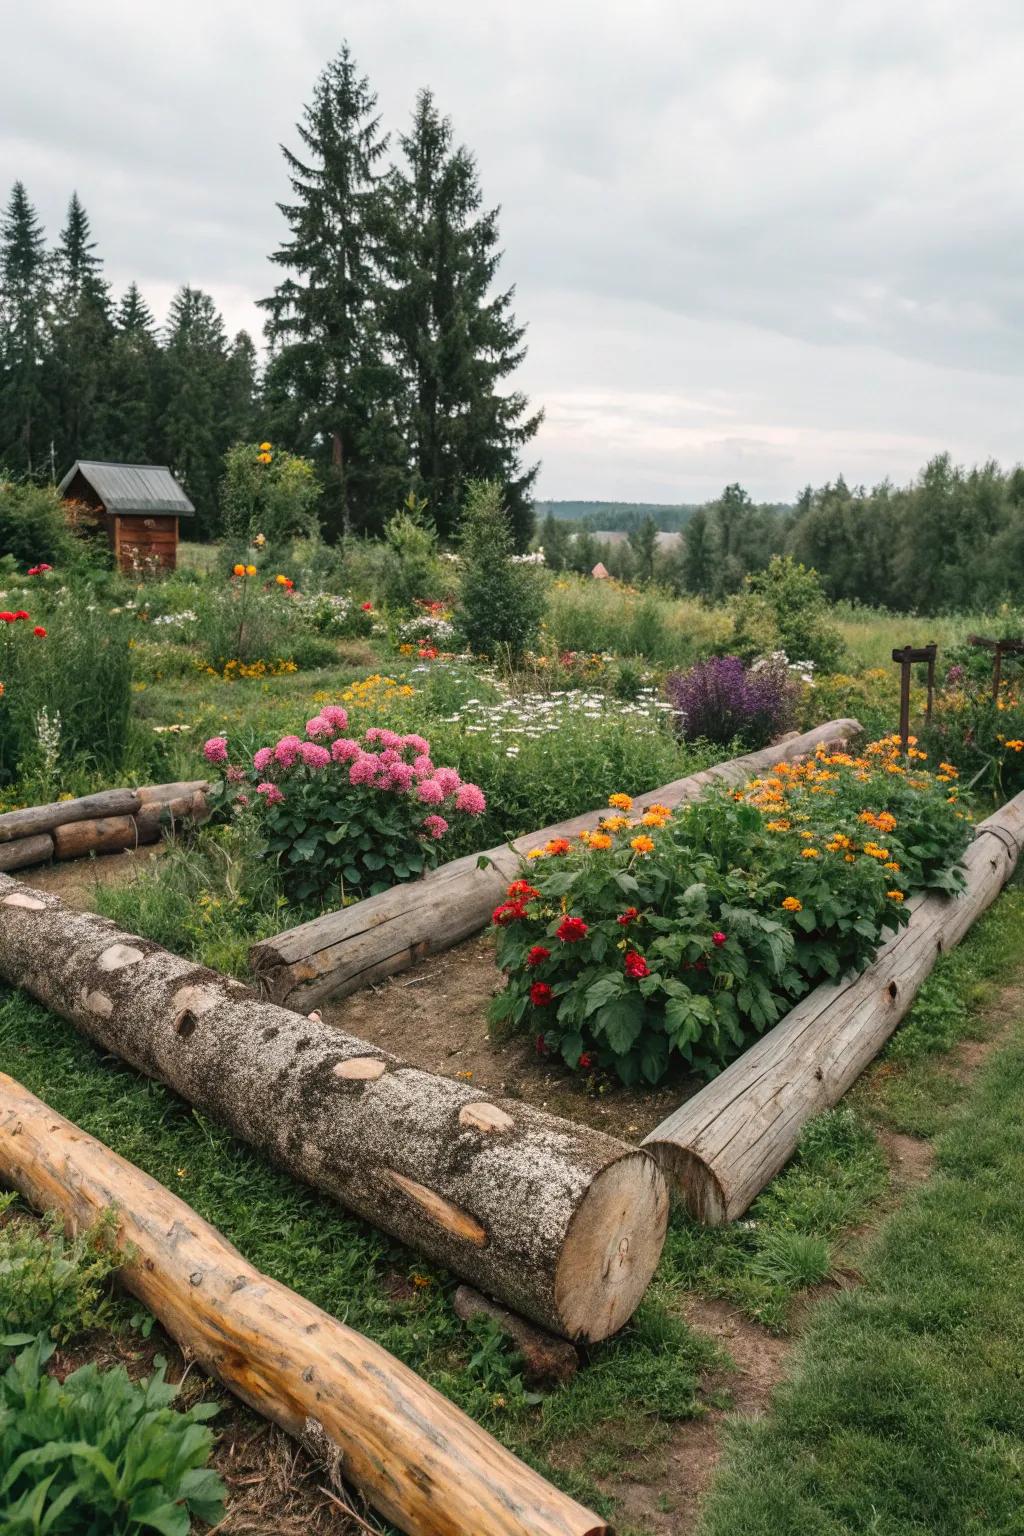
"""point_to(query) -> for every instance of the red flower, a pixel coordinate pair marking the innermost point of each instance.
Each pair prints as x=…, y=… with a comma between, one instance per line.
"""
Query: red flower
x=522, y=890
x=40, y=631
x=571, y=929
x=508, y=912
x=718, y=939
x=21, y=614
x=636, y=965
x=33, y=570
x=367, y=607
x=6, y=618
x=629, y=916
x=538, y=954
x=540, y=994
x=540, y=1045
x=586, y=1060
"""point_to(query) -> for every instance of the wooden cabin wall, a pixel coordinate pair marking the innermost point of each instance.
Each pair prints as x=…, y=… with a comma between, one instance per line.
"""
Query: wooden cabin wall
x=146, y=538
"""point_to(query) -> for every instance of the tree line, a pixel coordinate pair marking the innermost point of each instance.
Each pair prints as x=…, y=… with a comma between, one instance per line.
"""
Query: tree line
x=953, y=538
x=390, y=342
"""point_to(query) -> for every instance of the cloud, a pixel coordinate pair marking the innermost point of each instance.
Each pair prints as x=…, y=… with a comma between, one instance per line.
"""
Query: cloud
x=751, y=242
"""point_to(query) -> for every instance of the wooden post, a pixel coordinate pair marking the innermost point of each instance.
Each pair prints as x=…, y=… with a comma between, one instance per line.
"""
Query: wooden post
x=999, y=648
x=906, y=657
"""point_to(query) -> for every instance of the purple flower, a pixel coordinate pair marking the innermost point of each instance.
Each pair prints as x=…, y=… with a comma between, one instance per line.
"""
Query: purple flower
x=400, y=776
x=270, y=793
x=423, y=766
x=363, y=769
x=318, y=726
x=448, y=779
x=417, y=744
x=344, y=749
x=216, y=749
x=721, y=699
x=287, y=750
x=335, y=716
x=430, y=792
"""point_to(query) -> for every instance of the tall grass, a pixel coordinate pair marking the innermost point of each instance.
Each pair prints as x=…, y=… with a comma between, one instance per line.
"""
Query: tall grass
x=594, y=616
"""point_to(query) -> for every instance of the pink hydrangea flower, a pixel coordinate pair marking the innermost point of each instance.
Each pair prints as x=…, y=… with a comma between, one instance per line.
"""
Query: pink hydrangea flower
x=216, y=749
x=423, y=766
x=287, y=750
x=390, y=756
x=363, y=769
x=417, y=744
x=448, y=778
x=262, y=757
x=430, y=792
x=435, y=826
x=400, y=776
x=318, y=726
x=470, y=799
x=335, y=716
x=235, y=775
x=378, y=735
x=344, y=749
x=242, y=800
x=314, y=756
x=270, y=792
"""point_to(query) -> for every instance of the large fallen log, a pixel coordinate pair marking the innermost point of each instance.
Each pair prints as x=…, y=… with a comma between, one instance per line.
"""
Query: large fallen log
x=342, y=951
x=416, y=1457
x=722, y=1146
x=562, y=1223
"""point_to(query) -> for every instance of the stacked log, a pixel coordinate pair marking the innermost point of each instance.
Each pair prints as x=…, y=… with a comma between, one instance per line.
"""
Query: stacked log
x=340, y=952
x=108, y=822
x=723, y=1146
x=417, y=1458
x=562, y=1223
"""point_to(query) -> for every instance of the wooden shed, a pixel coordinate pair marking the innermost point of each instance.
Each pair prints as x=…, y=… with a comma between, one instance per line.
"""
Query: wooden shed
x=137, y=506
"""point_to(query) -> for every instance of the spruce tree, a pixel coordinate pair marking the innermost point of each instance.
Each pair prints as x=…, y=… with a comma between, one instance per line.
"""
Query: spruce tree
x=78, y=365
x=24, y=421
x=332, y=393
x=133, y=386
x=457, y=339
x=198, y=419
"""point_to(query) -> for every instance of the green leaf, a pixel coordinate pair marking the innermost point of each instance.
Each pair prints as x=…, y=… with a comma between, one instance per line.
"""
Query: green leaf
x=620, y=1022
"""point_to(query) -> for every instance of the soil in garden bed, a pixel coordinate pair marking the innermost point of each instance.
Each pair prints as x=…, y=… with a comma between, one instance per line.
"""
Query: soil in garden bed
x=435, y=1016
x=75, y=880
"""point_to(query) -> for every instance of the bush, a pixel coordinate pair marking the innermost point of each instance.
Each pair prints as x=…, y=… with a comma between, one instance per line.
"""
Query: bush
x=723, y=701
x=784, y=608
x=33, y=524
x=346, y=818
x=99, y=1452
x=268, y=494
x=501, y=602
x=51, y=1283
x=245, y=624
x=678, y=937
x=411, y=570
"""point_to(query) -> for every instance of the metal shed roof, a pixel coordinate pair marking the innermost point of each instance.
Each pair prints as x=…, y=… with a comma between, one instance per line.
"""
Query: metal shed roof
x=128, y=489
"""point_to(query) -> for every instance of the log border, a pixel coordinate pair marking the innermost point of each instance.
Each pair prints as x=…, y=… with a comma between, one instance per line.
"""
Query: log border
x=108, y=822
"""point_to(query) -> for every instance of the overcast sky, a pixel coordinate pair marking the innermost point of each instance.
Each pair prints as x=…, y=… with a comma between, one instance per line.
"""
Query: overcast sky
x=766, y=243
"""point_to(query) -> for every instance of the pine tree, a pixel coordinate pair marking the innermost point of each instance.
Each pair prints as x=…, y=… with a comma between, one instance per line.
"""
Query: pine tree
x=456, y=338
x=133, y=383
x=24, y=423
x=643, y=541
x=332, y=392
x=198, y=418
x=78, y=366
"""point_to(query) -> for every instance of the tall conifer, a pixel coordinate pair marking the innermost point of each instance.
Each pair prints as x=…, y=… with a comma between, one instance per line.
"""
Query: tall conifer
x=24, y=422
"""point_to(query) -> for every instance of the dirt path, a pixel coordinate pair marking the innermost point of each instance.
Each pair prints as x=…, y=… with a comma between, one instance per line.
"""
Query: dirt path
x=76, y=879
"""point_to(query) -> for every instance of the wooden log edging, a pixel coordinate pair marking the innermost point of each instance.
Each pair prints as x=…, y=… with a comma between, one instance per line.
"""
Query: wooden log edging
x=108, y=822
x=420, y=1461
x=340, y=952
x=722, y=1147
x=562, y=1223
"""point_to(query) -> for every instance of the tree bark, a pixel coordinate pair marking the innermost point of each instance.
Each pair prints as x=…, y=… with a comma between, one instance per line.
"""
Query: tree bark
x=723, y=1146
x=110, y=834
x=561, y=1222
x=23, y=851
x=342, y=951
x=418, y=1459
x=546, y=1360
x=43, y=818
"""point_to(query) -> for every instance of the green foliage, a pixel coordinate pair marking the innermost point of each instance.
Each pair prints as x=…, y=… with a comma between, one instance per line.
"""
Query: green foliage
x=276, y=499
x=411, y=569
x=677, y=938
x=98, y=1451
x=33, y=527
x=51, y=1283
x=500, y=602
x=783, y=608
x=245, y=622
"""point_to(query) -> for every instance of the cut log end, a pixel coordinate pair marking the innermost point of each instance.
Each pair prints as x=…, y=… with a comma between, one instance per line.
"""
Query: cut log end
x=612, y=1248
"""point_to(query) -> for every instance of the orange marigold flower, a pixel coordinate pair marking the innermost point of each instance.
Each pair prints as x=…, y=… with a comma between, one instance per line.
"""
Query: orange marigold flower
x=642, y=844
x=892, y=867
x=557, y=845
x=238, y=570
x=600, y=841
x=621, y=802
x=809, y=853
x=777, y=826
x=792, y=904
x=250, y=570
x=895, y=895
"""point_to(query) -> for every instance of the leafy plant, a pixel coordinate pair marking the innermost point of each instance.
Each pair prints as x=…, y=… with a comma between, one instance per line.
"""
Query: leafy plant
x=721, y=700
x=411, y=570
x=677, y=937
x=784, y=608
x=33, y=524
x=501, y=602
x=268, y=493
x=52, y=1283
x=99, y=1452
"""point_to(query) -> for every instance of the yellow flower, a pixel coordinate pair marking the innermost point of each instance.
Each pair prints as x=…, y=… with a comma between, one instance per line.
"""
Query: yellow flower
x=892, y=867
x=651, y=820
x=420, y=1281
x=621, y=802
x=600, y=840
x=250, y=570
x=535, y=853
x=642, y=844
x=658, y=810
x=265, y=447
x=777, y=826
x=810, y=853
x=792, y=904
x=850, y=858
x=282, y=581
x=615, y=823
x=895, y=895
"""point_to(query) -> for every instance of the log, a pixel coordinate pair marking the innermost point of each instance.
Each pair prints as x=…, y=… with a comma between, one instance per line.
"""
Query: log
x=546, y=1360
x=562, y=1223
x=23, y=851
x=423, y=1463
x=110, y=834
x=168, y=794
x=340, y=952
x=722, y=1147
x=44, y=818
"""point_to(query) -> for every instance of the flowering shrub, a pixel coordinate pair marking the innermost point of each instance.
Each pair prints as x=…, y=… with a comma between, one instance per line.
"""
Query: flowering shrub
x=345, y=816
x=721, y=700
x=982, y=737
x=675, y=937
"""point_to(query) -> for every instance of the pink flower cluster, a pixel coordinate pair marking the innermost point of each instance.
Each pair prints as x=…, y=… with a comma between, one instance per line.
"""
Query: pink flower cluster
x=383, y=760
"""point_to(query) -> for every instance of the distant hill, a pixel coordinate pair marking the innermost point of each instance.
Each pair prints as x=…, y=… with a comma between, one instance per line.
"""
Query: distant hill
x=618, y=515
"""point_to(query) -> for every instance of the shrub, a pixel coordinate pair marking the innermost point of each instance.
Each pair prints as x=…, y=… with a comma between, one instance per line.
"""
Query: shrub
x=501, y=602
x=346, y=817
x=33, y=525
x=99, y=1452
x=784, y=608
x=51, y=1283
x=245, y=623
x=268, y=493
x=411, y=570
x=721, y=700
x=679, y=936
